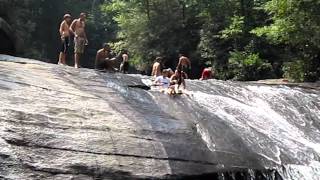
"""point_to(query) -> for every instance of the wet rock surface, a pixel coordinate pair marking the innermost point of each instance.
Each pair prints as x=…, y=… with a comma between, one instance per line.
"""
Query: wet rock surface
x=58, y=122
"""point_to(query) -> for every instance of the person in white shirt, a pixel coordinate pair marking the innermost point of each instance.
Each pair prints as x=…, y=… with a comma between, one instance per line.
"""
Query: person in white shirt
x=163, y=81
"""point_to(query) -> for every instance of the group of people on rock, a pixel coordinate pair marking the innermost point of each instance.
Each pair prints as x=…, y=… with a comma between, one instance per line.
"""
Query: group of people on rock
x=76, y=28
x=170, y=81
x=106, y=60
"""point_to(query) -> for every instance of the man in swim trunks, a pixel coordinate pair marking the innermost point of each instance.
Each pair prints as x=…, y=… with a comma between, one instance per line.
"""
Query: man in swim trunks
x=124, y=67
x=184, y=64
x=80, y=38
x=65, y=38
x=156, y=68
x=103, y=58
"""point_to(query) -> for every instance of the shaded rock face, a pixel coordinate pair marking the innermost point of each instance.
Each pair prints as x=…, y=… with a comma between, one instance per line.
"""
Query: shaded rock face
x=57, y=122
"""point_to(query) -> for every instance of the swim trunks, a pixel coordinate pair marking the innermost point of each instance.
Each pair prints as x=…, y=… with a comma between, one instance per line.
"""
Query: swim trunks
x=64, y=45
x=79, y=44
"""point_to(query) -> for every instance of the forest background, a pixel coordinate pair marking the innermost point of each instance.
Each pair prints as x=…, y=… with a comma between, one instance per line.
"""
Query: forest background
x=241, y=39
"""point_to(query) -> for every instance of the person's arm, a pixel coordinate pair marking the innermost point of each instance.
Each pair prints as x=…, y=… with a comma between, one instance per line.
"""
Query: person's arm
x=172, y=81
x=179, y=63
x=61, y=29
x=156, y=81
x=72, y=27
x=152, y=73
x=85, y=35
x=202, y=75
x=157, y=69
x=97, y=58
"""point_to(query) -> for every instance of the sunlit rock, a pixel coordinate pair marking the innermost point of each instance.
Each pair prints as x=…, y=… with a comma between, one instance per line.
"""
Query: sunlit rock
x=58, y=122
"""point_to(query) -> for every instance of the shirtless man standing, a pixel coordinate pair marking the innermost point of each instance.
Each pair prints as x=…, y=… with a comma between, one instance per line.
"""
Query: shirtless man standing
x=80, y=38
x=184, y=64
x=124, y=67
x=102, y=57
x=65, y=38
x=156, y=69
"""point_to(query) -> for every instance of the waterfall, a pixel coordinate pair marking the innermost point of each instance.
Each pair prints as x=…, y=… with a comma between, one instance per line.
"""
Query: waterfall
x=249, y=125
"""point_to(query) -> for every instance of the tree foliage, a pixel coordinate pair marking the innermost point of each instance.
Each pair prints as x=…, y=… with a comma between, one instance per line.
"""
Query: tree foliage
x=241, y=39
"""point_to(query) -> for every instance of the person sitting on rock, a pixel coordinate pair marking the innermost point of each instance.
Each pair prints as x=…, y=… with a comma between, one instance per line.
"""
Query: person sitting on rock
x=176, y=81
x=103, y=56
x=207, y=73
x=170, y=72
x=163, y=81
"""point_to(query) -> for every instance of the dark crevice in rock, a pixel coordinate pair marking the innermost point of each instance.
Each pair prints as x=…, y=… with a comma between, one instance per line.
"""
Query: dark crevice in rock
x=4, y=156
x=139, y=87
x=4, y=178
x=19, y=142
x=143, y=138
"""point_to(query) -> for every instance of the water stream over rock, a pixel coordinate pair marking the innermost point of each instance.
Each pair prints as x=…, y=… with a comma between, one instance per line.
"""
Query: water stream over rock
x=58, y=122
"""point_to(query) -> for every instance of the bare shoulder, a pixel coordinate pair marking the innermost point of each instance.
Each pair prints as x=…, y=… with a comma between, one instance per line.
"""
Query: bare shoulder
x=65, y=24
x=74, y=21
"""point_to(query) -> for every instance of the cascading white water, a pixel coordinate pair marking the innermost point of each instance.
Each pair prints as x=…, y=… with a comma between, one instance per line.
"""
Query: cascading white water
x=247, y=125
x=278, y=123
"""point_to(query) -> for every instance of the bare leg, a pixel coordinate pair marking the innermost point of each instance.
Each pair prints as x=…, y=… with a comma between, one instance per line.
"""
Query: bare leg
x=60, y=58
x=76, y=60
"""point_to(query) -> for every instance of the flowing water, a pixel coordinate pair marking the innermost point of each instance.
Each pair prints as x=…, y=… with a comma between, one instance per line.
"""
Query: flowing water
x=246, y=125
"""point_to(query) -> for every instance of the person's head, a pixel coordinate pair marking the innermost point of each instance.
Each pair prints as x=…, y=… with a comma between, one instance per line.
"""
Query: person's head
x=170, y=72
x=67, y=17
x=83, y=16
x=165, y=73
x=159, y=59
x=106, y=46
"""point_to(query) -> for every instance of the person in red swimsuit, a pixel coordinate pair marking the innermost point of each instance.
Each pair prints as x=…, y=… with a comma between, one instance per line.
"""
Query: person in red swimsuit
x=207, y=73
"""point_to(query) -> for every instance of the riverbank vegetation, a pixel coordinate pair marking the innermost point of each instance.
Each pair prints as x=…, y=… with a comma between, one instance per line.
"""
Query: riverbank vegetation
x=241, y=39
